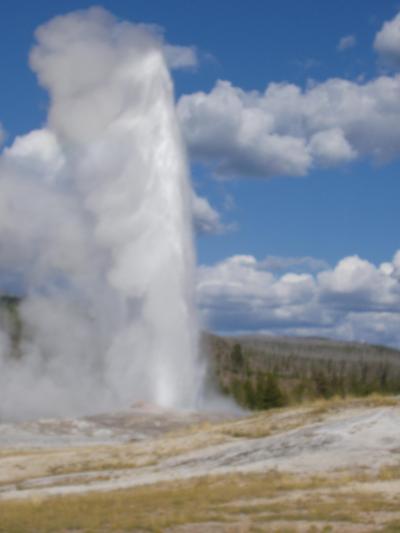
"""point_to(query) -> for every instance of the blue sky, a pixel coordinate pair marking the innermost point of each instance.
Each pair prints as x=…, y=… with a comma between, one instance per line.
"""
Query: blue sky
x=328, y=190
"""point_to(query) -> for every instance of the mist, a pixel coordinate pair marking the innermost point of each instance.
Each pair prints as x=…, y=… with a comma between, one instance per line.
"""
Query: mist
x=96, y=230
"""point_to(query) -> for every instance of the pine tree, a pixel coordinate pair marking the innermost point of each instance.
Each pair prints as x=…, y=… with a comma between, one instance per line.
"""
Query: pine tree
x=237, y=357
x=268, y=392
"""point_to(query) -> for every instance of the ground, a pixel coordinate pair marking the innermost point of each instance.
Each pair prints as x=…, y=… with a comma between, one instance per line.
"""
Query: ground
x=326, y=466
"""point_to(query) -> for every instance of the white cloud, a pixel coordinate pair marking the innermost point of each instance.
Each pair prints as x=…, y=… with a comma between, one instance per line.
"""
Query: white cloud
x=331, y=148
x=387, y=42
x=357, y=284
x=176, y=56
x=206, y=218
x=288, y=131
x=346, y=42
x=355, y=300
x=180, y=56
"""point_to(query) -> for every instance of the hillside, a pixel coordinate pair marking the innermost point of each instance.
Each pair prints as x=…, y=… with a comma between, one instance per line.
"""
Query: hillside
x=262, y=372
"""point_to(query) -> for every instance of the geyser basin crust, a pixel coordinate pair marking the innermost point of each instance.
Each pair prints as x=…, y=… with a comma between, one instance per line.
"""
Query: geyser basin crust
x=338, y=458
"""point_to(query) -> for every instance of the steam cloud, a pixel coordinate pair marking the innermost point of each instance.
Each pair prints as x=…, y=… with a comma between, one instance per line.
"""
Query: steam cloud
x=95, y=225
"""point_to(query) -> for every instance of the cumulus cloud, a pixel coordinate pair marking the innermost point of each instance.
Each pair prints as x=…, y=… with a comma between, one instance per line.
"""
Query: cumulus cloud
x=176, y=56
x=287, y=130
x=331, y=148
x=206, y=218
x=355, y=300
x=180, y=56
x=387, y=42
x=346, y=42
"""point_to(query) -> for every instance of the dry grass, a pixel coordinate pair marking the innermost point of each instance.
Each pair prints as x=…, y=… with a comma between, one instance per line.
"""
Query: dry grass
x=231, y=500
x=274, y=421
x=96, y=465
x=389, y=472
x=373, y=400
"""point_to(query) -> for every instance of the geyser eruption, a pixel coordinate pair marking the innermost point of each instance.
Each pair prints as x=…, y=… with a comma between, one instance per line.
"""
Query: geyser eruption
x=95, y=228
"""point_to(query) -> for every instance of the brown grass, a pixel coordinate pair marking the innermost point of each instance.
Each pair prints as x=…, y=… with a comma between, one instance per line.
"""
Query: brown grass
x=278, y=420
x=256, y=499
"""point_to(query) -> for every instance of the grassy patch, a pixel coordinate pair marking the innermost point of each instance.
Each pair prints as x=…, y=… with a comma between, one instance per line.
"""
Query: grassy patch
x=261, y=499
x=389, y=472
x=98, y=466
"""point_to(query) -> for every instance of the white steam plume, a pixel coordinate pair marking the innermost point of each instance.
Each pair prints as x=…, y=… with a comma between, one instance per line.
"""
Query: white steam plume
x=95, y=224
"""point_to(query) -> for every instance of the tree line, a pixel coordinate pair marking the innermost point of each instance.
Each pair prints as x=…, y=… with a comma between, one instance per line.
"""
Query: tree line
x=265, y=373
